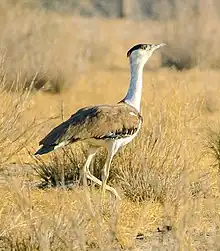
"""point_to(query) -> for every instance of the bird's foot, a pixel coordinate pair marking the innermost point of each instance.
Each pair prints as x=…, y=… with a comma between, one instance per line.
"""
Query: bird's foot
x=83, y=178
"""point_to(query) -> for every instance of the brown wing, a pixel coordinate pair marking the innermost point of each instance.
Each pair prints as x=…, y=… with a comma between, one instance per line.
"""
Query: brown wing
x=99, y=122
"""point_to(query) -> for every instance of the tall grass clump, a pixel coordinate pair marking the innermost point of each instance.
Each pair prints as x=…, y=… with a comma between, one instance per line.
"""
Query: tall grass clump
x=62, y=169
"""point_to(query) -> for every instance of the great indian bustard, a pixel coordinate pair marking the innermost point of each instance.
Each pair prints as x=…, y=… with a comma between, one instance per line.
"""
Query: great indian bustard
x=109, y=126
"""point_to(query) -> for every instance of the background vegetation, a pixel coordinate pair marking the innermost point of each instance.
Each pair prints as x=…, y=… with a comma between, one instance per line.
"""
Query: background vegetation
x=56, y=57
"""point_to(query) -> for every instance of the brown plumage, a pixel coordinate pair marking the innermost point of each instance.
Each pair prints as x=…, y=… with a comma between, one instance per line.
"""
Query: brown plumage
x=94, y=122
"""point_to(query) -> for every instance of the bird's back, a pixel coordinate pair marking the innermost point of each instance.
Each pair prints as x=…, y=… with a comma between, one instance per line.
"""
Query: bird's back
x=95, y=122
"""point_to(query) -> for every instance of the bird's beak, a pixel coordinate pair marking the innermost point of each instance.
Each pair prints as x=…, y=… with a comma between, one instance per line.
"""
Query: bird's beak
x=157, y=46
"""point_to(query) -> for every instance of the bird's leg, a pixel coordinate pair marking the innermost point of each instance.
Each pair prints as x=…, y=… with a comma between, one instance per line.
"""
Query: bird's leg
x=105, y=171
x=85, y=170
x=99, y=182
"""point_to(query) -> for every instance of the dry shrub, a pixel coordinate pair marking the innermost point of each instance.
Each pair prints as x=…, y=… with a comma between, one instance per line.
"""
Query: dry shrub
x=192, y=35
x=57, y=48
x=212, y=145
x=14, y=133
x=150, y=175
x=62, y=169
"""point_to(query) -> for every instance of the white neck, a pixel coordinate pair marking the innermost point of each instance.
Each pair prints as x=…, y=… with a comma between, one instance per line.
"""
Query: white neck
x=133, y=96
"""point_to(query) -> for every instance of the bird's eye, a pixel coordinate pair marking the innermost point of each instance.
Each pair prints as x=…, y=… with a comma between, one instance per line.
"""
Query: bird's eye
x=144, y=47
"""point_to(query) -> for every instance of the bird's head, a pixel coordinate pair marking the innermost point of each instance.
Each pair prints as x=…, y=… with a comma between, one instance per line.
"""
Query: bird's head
x=140, y=53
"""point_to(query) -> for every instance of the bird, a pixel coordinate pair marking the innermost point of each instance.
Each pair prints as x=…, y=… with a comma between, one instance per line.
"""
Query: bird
x=111, y=126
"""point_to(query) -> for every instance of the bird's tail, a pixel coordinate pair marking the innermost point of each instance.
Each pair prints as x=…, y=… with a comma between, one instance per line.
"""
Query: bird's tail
x=44, y=149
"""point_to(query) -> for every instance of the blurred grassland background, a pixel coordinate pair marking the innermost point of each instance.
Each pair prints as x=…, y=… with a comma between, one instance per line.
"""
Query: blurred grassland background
x=57, y=56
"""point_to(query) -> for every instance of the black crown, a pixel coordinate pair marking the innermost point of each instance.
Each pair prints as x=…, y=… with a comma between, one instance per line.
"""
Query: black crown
x=137, y=47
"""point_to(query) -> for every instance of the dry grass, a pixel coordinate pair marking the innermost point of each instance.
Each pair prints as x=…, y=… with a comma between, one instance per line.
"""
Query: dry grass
x=163, y=176
x=169, y=185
